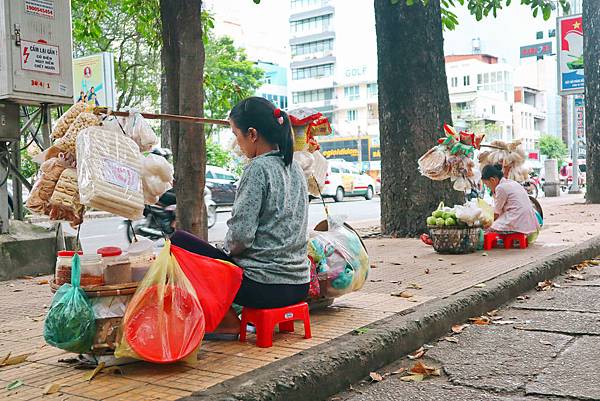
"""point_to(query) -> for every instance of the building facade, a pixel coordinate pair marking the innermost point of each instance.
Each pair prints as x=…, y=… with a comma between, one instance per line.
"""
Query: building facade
x=333, y=65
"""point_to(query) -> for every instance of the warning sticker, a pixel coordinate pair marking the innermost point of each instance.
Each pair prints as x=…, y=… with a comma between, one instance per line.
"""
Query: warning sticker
x=44, y=8
x=40, y=57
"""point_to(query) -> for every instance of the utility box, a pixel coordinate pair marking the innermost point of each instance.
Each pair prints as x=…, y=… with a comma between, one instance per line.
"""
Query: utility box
x=36, y=54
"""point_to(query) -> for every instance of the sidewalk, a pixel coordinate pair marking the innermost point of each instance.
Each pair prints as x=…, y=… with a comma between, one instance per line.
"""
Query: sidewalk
x=399, y=265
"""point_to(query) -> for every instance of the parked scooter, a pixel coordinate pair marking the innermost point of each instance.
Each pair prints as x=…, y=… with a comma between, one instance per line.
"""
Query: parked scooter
x=533, y=185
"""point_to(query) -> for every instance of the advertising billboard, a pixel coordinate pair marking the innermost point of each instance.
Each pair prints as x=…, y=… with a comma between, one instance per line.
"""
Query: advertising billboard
x=570, y=55
x=93, y=79
x=541, y=49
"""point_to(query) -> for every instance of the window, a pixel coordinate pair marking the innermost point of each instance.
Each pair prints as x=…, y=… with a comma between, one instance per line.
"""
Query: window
x=305, y=3
x=321, y=23
x=372, y=90
x=466, y=80
x=312, y=47
x=552, y=33
x=539, y=35
x=486, y=78
x=351, y=115
x=319, y=71
x=493, y=109
x=454, y=82
x=479, y=79
x=352, y=92
x=312, y=96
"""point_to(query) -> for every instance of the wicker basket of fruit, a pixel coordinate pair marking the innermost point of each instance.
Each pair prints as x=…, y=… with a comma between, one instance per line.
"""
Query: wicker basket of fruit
x=449, y=235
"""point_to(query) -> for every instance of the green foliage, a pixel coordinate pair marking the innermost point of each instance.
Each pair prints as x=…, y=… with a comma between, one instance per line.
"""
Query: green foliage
x=553, y=147
x=482, y=8
x=29, y=168
x=216, y=155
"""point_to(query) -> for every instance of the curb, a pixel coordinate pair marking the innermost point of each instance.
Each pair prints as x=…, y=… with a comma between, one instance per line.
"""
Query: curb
x=329, y=368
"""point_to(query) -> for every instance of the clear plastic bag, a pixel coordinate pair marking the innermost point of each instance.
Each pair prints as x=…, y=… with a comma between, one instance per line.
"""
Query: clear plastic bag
x=138, y=129
x=164, y=321
x=109, y=173
x=68, y=142
x=65, y=120
x=346, y=265
x=50, y=172
x=70, y=323
x=157, y=177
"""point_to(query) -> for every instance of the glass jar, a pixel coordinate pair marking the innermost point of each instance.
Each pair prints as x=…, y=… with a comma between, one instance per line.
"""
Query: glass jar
x=117, y=269
x=92, y=270
x=62, y=272
x=141, y=256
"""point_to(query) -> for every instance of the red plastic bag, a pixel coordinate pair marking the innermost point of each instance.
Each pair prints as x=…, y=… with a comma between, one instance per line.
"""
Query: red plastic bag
x=164, y=321
x=216, y=283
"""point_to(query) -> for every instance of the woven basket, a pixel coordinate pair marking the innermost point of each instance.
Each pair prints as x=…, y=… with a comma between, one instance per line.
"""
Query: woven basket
x=455, y=240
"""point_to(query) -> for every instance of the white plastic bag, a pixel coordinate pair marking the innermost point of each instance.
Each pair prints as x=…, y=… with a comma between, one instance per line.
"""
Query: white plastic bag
x=157, y=177
x=138, y=129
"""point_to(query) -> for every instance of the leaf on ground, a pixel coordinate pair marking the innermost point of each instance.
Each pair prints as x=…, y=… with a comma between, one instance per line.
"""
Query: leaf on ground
x=3, y=360
x=417, y=354
x=575, y=276
x=480, y=320
x=422, y=369
x=375, y=377
x=373, y=266
x=402, y=294
x=395, y=282
x=493, y=312
x=451, y=339
x=413, y=378
x=593, y=262
x=522, y=297
x=545, y=342
x=27, y=278
x=415, y=286
x=90, y=375
x=360, y=331
x=52, y=388
x=458, y=328
x=398, y=371
x=14, y=360
x=480, y=285
x=43, y=282
x=459, y=272
x=544, y=285
x=484, y=254
x=376, y=281
x=14, y=384
x=426, y=271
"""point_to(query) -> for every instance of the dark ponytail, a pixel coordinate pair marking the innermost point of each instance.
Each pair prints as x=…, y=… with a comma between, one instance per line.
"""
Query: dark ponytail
x=492, y=171
x=273, y=124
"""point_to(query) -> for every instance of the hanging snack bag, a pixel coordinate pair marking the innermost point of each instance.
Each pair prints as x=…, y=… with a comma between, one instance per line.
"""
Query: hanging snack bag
x=65, y=121
x=138, y=129
x=64, y=203
x=70, y=323
x=68, y=141
x=109, y=173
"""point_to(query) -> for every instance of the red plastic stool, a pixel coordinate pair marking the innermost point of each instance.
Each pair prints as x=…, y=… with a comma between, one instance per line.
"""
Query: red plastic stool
x=490, y=240
x=265, y=320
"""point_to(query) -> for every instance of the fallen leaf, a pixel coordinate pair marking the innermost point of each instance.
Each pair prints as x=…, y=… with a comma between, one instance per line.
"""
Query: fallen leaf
x=417, y=354
x=373, y=266
x=396, y=263
x=545, y=342
x=5, y=359
x=480, y=285
x=14, y=384
x=361, y=331
x=481, y=320
x=376, y=281
x=402, y=294
x=459, y=272
x=15, y=360
x=503, y=322
x=458, y=328
x=89, y=376
x=395, y=282
x=451, y=339
x=576, y=276
x=421, y=368
x=522, y=297
x=52, y=388
x=594, y=262
x=544, y=285
x=440, y=260
x=27, y=278
x=426, y=271
x=413, y=378
x=43, y=282
x=493, y=312
x=453, y=264
x=399, y=371
x=412, y=300
x=556, y=285
x=484, y=254
x=375, y=377
x=415, y=286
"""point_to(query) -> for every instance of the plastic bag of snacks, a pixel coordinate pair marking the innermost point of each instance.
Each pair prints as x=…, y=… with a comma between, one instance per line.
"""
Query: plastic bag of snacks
x=70, y=323
x=64, y=203
x=65, y=121
x=164, y=321
x=157, y=177
x=68, y=141
x=109, y=173
x=138, y=129
x=50, y=172
x=341, y=259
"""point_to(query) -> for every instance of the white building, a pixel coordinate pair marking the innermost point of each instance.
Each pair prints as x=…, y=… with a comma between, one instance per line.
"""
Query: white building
x=530, y=120
x=481, y=95
x=334, y=63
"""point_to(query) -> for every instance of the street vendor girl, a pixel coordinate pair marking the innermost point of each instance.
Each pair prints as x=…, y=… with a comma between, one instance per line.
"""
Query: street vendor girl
x=513, y=211
x=267, y=234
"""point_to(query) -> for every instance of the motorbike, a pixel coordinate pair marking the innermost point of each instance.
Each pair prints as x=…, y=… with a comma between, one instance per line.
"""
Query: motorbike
x=532, y=185
x=159, y=219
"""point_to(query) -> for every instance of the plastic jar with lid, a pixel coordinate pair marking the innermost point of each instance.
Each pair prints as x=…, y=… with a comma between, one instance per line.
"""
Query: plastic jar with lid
x=92, y=270
x=141, y=256
x=117, y=269
x=62, y=273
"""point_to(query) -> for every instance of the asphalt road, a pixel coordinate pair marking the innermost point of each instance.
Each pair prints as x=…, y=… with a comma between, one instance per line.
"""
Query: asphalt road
x=110, y=232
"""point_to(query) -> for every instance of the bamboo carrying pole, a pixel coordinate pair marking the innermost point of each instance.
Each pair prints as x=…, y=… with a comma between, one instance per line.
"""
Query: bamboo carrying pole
x=155, y=116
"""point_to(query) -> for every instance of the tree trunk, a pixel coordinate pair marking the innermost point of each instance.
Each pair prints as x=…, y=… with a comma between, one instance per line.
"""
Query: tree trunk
x=183, y=52
x=165, y=132
x=413, y=106
x=591, y=61
x=564, y=118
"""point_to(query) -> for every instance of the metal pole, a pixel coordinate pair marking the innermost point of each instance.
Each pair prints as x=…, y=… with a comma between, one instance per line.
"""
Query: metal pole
x=17, y=187
x=574, y=151
x=360, y=165
x=4, y=216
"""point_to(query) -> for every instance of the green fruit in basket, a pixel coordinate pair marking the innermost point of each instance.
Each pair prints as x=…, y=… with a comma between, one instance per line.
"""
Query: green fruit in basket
x=438, y=214
x=431, y=221
x=450, y=221
x=440, y=222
